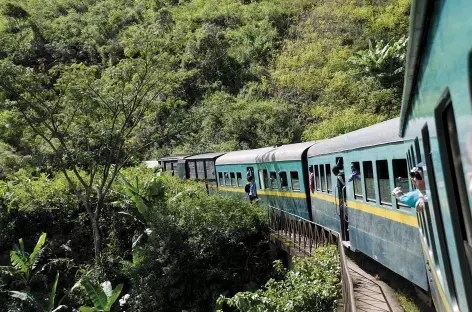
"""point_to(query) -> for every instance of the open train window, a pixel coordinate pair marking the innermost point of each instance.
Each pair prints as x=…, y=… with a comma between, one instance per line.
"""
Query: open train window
x=328, y=178
x=295, y=180
x=283, y=180
x=220, y=178
x=233, y=179
x=273, y=180
x=356, y=180
x=383, y=178
x=401, y=177
x=322, y=178
x=455, y=183
x=317, y=178
x=239, y=178
x=434, y=204
x=227, y=179
x=369, y=181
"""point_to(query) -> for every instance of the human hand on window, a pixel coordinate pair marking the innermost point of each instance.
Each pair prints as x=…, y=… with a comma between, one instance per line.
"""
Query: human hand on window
x=397, y=192
x=419, y=205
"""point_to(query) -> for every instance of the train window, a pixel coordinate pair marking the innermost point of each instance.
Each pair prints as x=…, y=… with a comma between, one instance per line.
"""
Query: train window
x=369, y=181
x=233, y=179
x=220, y=178
x=239, y=178
x=455, y=183
x=249, y=171
x=295, y=180
x=191, y=170
x=200, y=170
x=317, y=178
x=283, y=180
x=273, y=180
x=227, y=179
x=263, y=177
x=210, y=169
x=328, y=178
x=322, y=178
x=383, y=178
x=435, y=205
x=400, y=175
x=417, y=152
x=356, y=180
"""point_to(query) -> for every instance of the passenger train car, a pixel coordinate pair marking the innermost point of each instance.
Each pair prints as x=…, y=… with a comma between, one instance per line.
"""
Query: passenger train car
x=437, y=115
x=431, y=248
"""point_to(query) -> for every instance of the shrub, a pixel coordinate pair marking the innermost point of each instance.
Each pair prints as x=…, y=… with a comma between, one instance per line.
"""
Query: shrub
x=313, y=285
x=200, y=246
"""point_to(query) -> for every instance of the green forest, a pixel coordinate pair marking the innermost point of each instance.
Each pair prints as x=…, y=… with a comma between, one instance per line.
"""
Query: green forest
x=91, y=88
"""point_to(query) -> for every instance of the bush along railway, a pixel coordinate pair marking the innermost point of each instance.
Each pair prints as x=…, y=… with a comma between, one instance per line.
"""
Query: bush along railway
x=431, y=247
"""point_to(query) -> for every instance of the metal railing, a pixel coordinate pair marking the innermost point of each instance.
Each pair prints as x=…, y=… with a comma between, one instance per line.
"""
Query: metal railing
x=305, y=236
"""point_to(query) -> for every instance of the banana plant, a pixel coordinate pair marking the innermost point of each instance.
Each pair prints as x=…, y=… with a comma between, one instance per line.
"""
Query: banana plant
x=102, y=297
x=24, y=264
x=32, y=299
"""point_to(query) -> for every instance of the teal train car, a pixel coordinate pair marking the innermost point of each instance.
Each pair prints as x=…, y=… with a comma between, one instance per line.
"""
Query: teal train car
x=363, y=210
x=280, y=175
x=232, y=167
x=436, y=114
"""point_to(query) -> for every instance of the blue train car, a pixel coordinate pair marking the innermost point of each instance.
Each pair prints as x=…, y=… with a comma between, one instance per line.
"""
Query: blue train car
x=363, y=210
x=232, y=167
x=437, y=115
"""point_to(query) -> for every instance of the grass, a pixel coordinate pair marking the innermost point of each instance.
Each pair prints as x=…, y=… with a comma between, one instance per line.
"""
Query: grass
x=407, y=302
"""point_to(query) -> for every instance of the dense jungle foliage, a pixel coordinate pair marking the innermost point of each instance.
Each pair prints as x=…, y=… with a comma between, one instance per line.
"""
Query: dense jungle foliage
x=90, y=88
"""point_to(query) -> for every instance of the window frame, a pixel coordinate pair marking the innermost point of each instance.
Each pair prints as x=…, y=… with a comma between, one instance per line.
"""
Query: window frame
x=364, y=181
x=329, y=182
x=294, y=189
x=389, y=194
x=317, y=176
x=286, y=186
x=356, y=195
x=272, y=186
x=239, y=179
x=232, y=177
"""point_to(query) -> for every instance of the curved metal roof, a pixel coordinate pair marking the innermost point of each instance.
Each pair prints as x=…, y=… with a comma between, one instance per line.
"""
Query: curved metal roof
x=378, y=134
x=242, y=157
x=205, y=156
x=173, y=158
x=417, y=31
x=285, y=152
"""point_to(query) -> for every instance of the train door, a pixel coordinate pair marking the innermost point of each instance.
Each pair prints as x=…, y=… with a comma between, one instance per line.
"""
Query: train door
x=457, y=197
x=341, y=199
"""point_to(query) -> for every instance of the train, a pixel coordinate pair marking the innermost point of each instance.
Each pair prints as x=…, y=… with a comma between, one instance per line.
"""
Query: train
x=431, y=247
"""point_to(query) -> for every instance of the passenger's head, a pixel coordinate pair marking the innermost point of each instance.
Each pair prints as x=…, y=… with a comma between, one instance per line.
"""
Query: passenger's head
x=311, y=169
x=250, y=179
x=335, y=170
x=416, y=175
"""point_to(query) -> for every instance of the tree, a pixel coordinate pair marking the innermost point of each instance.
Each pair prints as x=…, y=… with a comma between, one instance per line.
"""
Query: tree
x=88, y=116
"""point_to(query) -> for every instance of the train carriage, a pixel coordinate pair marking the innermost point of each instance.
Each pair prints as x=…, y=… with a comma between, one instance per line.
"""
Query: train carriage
x=437, y=114
x=232, y=167
x=283, y=179
x=363, y=210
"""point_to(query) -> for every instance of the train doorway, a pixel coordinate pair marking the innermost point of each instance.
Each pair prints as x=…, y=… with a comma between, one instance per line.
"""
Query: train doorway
x=338, y=171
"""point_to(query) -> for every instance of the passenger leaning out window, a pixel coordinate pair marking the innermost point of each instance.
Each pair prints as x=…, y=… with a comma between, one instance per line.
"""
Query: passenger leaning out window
x=416, y=198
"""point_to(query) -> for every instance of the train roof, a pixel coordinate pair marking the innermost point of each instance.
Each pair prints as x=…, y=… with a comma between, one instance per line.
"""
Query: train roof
x=173, y=158
x=205, y=156
x=416, y=48
x=242, y=157
x=285, y=152
x=378, y=134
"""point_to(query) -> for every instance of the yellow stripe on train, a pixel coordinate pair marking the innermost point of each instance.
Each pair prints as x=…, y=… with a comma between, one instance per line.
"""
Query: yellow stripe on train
x=380, y=212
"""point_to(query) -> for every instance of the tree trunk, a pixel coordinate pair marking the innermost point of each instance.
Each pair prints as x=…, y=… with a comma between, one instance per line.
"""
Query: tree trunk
x=97, y=238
